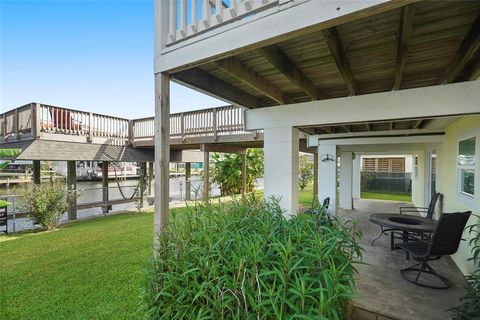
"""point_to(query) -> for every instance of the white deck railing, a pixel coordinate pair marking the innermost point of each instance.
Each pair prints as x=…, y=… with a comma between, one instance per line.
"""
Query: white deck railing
x=39, y=121
x=187, y=18
x=214, y=122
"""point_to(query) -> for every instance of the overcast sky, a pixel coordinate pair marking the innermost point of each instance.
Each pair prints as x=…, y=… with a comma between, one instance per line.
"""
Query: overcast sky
x=89, y=55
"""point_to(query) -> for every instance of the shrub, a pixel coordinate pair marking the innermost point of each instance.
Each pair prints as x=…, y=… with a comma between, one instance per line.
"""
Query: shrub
x=245, y=260
x=470, y=308
x=45, y=203
x=227, y=171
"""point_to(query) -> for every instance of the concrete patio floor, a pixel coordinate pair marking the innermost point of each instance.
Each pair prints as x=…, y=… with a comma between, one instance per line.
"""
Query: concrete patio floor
x=382, y=292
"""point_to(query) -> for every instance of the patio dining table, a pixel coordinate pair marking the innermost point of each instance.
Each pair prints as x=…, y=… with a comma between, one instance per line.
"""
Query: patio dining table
x=404, y=223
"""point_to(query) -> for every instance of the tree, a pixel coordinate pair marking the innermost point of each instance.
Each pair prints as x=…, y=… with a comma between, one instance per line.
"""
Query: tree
x=305, y=171
x=226, y=171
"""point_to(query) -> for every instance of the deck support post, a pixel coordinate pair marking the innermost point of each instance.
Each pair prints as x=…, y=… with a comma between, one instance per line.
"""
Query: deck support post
x=356, y=176
x=150, y=178
x=143, y=184
x=105, y=207
x=162, y=154
x=315, y=177
x=346, y=174
x=206, y=179
x=281, y=149
x=72, y=188
x=188, y=172
x=244, y=172
x=327, y=172
x=36, y=172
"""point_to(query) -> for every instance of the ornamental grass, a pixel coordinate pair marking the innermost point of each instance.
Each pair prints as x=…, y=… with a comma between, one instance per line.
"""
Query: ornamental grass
x=245, y=260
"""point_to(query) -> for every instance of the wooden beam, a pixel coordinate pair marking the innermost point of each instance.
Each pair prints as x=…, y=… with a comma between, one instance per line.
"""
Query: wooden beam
x=237, y=69
x=200, y=80
x=72, y=188
x=467, y=50
x=403, y=43
x=162, y=156
x=283, y=63
x=474, y=73
x=206, y=179
x=222, y=148
x=424, y=123
x=417, y=124
x=337, y=51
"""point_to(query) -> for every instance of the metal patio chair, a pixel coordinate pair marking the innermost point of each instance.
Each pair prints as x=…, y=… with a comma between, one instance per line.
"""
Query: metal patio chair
x=445, y=241
x=429, y=211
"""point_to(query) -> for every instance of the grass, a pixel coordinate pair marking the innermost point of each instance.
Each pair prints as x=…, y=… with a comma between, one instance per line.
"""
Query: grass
x=89, y=269
x=85, y=270
x=386, y=196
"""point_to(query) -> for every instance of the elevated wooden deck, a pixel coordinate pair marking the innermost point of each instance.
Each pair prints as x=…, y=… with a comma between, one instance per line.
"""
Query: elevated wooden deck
x=45, y=132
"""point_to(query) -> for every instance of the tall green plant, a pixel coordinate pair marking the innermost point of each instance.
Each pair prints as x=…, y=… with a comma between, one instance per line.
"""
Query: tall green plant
x=226, y=171
x=46, y=203
x=245, y=260
x=470, y=308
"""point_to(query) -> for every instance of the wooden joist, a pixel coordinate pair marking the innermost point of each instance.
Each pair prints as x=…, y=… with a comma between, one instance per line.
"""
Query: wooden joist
x=337, y=51
x=283, y=63
x=417, y=124
x=467, y=50
x=403, y=43
x=209, y=84
x=251, y=78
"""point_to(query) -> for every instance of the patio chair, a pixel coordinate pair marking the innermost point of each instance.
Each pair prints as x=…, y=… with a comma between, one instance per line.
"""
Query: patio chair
x=445, y=241
x=429, y=211
x=402, y=235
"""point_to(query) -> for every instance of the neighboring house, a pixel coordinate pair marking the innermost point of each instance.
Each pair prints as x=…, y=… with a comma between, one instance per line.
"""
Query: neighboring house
x=387, y=164
x=360, y=77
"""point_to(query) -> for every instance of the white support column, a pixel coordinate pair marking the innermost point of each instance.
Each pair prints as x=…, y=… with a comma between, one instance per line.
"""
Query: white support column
x=162, y=153
x=346, y=180
x=327, y=175
x=357, y=168
x=281, y=147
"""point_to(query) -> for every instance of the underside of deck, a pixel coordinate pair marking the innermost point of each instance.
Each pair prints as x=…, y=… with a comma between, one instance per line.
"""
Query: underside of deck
x=421, y=44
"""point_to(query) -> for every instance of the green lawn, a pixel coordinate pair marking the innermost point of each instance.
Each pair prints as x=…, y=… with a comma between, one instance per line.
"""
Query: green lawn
x=87, y=270
x=386, y=196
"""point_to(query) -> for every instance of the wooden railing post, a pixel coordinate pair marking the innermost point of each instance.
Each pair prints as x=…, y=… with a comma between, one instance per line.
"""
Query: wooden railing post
x=15, y=124
x=214, y=124
x=90, y=127
x=34, y=116
x=131, y=131
x=182, y=126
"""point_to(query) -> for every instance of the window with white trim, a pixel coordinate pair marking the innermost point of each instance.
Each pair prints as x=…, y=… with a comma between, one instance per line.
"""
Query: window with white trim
x=466, y=167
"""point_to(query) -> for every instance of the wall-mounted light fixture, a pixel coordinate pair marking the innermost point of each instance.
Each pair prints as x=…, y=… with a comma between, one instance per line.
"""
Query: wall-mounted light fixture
x=327, y=157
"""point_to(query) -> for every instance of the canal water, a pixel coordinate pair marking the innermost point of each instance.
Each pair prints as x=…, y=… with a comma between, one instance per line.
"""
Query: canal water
x=91, y=191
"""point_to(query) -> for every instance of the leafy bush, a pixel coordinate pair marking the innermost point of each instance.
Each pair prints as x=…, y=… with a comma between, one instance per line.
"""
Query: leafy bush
x=245, y=260
x=470, y=308
x=305, y=171
x=45, y=203
x=227, y=171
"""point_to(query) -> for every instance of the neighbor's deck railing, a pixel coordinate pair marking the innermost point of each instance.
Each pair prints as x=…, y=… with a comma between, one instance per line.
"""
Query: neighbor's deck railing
x=187, y=18
x=35, y=121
